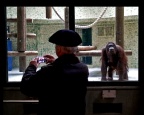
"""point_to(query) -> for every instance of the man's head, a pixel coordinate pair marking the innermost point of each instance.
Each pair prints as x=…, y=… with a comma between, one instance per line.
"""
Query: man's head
x=66, y=41
x=64, y=37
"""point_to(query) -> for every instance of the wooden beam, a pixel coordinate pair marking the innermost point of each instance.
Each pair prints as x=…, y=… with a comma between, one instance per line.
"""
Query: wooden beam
x=21, y=36
x=66, y=12
x=48, y=12
x=26, y=53
x=97, y=53
x=120, y=26
x=28, y=20
x=29, y=35
x=21, y=29
x=81, y=53
x=86, y=48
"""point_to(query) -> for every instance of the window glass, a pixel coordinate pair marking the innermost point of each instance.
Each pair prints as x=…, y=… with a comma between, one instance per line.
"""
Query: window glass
x=102, y=22
x=96, y=26
x=38, y=29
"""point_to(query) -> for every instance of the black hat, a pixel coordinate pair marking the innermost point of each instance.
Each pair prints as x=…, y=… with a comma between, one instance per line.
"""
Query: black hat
x=66, y=37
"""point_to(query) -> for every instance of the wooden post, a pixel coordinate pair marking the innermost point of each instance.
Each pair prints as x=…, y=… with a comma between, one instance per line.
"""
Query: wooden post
x=48, y=12
x=120, y=26
x=66, y=18
x=21, y=36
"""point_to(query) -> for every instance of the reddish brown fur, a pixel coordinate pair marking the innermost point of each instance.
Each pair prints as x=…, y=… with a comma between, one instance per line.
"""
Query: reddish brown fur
x=117, y=61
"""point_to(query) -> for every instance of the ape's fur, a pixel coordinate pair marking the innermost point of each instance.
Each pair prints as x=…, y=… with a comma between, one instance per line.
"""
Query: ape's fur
x=114, y=58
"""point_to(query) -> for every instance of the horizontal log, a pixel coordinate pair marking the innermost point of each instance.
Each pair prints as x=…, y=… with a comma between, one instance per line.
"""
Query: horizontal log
x=29, y=35
x=29, y=20
x=97, y=53
x=86, y=48
x=80, y=53
x=20, y=101
x=26, y=53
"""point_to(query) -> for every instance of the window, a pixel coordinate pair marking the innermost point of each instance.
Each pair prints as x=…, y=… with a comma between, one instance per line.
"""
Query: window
x=106, y=30
x=89, y=36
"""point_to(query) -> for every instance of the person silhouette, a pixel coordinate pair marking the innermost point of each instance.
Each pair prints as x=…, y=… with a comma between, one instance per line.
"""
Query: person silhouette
x=61, y=84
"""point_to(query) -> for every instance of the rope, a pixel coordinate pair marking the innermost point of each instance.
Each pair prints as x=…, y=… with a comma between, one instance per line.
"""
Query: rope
x=84, y=27
x=58, y=14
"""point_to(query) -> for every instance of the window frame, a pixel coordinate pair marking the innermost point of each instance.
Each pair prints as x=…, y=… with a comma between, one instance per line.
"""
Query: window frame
x=4, y=56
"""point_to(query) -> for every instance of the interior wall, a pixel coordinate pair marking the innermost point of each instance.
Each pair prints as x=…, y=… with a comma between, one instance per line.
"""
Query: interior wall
x=127, y=97
x=125, y=101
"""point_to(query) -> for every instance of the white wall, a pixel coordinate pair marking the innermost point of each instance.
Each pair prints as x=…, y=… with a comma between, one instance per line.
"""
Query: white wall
x=80, y=12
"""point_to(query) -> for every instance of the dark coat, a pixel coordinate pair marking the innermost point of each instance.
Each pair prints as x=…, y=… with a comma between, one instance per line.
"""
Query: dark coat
x=60, y=86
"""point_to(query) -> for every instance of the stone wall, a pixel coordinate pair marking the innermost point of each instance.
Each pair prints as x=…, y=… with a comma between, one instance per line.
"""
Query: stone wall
x=43, y=28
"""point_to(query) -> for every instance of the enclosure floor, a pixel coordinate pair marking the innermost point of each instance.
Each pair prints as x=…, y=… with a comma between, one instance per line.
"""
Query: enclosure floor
x=95, y=75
